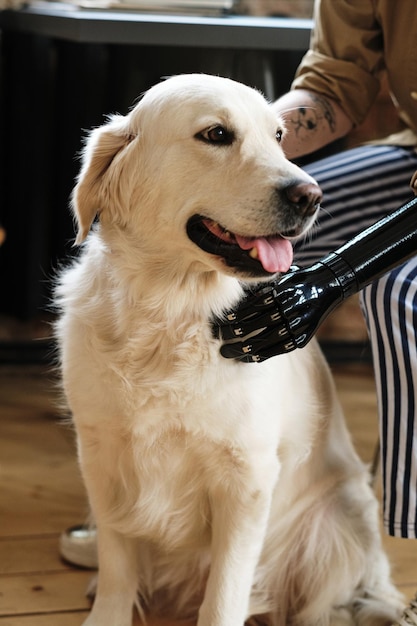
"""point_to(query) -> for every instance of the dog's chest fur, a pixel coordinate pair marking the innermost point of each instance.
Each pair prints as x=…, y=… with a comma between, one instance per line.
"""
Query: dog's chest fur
x=175, y=424
x=164, y=489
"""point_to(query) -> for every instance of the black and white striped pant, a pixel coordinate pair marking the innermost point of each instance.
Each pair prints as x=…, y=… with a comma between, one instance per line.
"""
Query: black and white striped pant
x=360, y=186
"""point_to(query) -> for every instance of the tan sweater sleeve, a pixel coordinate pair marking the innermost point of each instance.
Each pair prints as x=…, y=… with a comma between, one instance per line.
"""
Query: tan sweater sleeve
x=345, y=57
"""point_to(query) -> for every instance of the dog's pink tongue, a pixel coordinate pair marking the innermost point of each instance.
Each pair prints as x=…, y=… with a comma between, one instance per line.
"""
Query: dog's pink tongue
x=275, y=253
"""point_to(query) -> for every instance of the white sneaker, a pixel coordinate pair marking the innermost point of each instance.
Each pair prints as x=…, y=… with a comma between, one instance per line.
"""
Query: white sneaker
x=409, y=617
x=78, y=546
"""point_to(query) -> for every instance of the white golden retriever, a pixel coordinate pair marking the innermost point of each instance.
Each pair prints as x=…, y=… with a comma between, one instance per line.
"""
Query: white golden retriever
x=219, y=488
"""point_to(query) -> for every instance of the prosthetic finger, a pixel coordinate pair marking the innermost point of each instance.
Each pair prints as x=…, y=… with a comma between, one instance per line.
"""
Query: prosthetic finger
x=267, y=343
x=252, y=323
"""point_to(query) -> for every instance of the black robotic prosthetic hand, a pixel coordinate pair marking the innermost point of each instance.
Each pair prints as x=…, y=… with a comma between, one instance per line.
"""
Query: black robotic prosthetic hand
x=284, y=314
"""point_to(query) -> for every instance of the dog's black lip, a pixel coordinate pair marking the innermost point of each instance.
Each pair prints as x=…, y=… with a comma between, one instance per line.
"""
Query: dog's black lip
x=231, y=253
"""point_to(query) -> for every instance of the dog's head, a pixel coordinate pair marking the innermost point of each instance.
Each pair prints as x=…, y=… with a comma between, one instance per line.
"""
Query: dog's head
x=196, y=171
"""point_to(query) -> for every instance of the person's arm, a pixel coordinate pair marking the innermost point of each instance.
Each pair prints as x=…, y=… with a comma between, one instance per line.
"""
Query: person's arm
x=284, y=314
x=311, y=121
x=338, y=78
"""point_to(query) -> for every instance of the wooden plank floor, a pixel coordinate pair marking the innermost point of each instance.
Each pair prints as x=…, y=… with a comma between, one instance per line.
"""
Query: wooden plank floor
x=41, y=494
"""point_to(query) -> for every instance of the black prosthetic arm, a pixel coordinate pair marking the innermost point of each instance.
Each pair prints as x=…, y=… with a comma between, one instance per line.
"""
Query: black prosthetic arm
x=378, y=249
x=284, y=314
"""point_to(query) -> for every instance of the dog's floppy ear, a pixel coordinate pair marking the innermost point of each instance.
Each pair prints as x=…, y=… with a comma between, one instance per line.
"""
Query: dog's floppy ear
x=102, y=146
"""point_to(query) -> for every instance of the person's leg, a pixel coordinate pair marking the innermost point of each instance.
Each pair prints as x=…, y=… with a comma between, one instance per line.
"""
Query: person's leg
x=390, y=306
x=360, y=186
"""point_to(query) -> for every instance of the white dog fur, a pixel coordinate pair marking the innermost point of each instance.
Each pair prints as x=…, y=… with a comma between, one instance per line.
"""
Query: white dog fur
x=219, y=488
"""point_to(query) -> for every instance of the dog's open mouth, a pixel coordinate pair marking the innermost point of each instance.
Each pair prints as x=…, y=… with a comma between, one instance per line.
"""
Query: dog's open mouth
x=254, y=255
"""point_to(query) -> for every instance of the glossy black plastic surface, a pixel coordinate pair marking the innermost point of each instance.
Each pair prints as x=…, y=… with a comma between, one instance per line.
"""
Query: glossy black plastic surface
x=284, y=314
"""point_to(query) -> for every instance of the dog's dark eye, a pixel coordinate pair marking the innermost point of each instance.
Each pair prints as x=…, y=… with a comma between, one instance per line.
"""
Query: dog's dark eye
x=216, y=134
x=278, y=135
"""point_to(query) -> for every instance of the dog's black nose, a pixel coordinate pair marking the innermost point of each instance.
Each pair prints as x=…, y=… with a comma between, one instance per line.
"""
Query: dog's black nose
x=304, y=196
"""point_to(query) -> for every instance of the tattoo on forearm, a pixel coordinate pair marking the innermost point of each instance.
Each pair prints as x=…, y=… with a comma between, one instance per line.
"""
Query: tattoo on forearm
x=309, y=118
